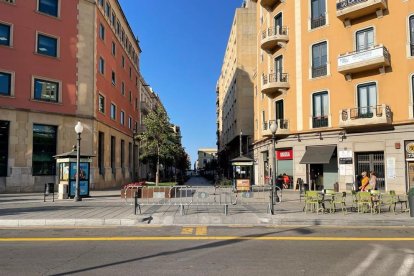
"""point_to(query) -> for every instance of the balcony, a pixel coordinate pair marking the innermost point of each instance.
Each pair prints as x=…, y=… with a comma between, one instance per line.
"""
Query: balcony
x=145, y=107
x=320, y=121
x=141, y=129
x=275, y=83
x=350, y=9
x=274, y=37
x=363, y=116
x=282, y=127
x=270, y=4
x=375, y=57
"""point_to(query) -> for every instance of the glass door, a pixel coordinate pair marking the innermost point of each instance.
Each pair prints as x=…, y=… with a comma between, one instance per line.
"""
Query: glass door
x=279, y=68
x=410, y=175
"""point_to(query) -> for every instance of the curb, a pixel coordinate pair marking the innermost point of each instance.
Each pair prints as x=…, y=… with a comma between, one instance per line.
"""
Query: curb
x=170, y=221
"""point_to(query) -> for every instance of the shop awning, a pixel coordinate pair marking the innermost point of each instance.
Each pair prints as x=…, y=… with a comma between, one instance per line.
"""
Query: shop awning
x=318, y=155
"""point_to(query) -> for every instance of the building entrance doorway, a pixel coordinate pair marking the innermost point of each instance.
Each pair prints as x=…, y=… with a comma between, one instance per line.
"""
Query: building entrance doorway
x=371, y=161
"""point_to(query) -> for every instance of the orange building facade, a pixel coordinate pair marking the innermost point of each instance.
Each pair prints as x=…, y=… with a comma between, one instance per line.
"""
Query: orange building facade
x=64, y=62
x=337, y=78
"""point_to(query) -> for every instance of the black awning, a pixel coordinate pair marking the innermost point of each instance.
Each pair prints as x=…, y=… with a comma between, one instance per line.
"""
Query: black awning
x=318, y=155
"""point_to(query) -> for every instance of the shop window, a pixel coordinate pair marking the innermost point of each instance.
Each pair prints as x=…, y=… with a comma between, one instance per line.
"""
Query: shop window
x=113, y=154
x=44, y=148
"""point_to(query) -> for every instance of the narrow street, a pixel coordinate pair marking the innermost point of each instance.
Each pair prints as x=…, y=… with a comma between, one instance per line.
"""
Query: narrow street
x=198, y=181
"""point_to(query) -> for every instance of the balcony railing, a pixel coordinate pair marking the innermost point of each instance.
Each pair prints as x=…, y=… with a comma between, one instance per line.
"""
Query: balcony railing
x=273, y=83
x=274, y=37
x=282, y=127
x=371, y=58
x=319, y=71
x=318, y=22
x=320, y=121
x=367, y=115
x=351, y=9
x=145, y=106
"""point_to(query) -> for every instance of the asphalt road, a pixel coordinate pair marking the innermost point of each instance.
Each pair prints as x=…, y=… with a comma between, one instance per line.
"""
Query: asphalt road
x=208, y=251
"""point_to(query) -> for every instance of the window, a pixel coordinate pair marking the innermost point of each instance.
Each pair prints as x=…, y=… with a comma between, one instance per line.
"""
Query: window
x=101, y=152
x=113, y=49
x=101, y=32
x=130, y=73
x=44, y=148
x=113, y=19
x=130, y=123
x=320, y=109
x=411, y=22
x=319, y=60
x=101, y=2
x=130, y=96
x=113, y=78
x=5, y=83
x=278, y=68
x=4, y=147
x=122, y=121
x=412, y=92
x=130, y=156
x=118, y=27
x=5, y=35
x=113, y=154
x=364, y=39
x=101, y=65
x=122, y=153
x=123, y=88
x=279, y=110
x=107, y=9
x=101, y=103
x=47, y=45
x=123, y=62
x=113, y=111
x=367, y=101
x=50, y=7
x=318, y=13
x=46, y=90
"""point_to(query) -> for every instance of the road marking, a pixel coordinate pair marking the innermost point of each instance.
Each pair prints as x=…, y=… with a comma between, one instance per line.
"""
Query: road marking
x=202, y=238
x=187, y=231
x=201, y=231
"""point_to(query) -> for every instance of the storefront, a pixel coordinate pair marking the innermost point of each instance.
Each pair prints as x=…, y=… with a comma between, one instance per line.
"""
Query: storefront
x=321, y=166
x=409, y=158
x=284, y=159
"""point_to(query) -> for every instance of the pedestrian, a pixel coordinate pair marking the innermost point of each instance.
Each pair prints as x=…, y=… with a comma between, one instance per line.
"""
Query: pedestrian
x=286, y=181
x=364, y=182
x=373, y=180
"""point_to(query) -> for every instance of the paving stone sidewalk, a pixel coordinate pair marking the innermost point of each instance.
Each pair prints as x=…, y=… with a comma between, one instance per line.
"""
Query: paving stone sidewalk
x=107, y=208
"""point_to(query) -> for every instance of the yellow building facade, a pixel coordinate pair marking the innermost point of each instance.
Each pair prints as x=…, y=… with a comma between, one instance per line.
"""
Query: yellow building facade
x=337, y=78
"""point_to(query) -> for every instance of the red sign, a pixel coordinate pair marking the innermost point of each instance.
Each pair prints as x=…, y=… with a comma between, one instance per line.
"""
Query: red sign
x=284, y=154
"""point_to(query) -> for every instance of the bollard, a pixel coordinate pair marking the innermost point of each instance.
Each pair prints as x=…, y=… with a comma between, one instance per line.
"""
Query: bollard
x=226, y=209
x=182, y=209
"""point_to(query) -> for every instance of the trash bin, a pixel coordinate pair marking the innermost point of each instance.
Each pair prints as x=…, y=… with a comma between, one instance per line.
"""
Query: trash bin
x=411, y=201
x=336, y=187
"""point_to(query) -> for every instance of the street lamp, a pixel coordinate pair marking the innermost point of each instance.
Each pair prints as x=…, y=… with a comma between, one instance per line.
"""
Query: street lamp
x=78, y=130
x=273, y=129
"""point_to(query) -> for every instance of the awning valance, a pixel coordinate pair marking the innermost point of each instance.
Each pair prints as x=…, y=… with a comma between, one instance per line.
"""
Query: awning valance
x=318, y=155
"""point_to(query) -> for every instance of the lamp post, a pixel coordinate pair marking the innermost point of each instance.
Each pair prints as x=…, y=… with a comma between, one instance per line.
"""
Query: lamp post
x=273, y=129
x=78, y=130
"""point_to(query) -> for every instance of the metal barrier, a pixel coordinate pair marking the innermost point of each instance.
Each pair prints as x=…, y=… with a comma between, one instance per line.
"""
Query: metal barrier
x=182, y=196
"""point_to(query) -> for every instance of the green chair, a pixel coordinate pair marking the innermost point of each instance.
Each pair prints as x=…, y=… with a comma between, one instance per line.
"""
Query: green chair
x=376, y=200
x=313, y=201
x=364, y=202
x=401, y=199
x=389, y=200
x=354, y=206
x=339, y=199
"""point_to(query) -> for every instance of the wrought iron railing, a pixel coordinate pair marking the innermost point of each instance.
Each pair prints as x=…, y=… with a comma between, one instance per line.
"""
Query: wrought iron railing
x=320, y=121
x=343, y=4
x=275, y=77
x=318, y=22
x=319, y=71
x=281, y=124
x=272, y=31
x=366, y=112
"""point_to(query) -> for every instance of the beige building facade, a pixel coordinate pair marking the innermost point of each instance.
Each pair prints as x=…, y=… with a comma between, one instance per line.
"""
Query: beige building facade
x=340, y=88
x=204, y=156
x=234, y=89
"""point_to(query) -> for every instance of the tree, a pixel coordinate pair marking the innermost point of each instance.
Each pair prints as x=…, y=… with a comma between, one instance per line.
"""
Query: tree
x=161, y=143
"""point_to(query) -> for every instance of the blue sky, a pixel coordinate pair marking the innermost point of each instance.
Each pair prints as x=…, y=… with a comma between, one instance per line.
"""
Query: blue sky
x=183, y=44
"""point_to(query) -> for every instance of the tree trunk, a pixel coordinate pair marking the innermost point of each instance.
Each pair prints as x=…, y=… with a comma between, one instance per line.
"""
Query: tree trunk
x=157, y=174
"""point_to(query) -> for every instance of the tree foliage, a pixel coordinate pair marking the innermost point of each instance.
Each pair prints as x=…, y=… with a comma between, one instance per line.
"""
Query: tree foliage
x=161, y=145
